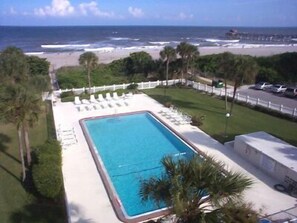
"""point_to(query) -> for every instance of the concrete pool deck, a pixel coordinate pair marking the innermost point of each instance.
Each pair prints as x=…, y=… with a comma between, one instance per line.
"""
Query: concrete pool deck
x=87, y=199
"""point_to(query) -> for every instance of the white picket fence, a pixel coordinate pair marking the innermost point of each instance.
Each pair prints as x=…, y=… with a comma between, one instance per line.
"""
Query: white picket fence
x=195, y=85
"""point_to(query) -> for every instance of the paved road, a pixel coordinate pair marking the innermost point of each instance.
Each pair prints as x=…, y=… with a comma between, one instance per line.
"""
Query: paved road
x=268, y=96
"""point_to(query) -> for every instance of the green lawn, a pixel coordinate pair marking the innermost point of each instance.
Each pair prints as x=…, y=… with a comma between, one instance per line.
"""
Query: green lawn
x=244, y=120
x=16, y=204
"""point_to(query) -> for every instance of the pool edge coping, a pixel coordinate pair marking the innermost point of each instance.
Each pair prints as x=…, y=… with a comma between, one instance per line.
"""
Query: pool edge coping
x=112, y=195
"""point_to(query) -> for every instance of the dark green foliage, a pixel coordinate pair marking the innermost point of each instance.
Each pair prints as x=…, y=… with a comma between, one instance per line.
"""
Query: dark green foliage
x=38, y=66
x=13, y=65
x=47, y=172
x=132, y=86
x=66, y=94
x=197, y=120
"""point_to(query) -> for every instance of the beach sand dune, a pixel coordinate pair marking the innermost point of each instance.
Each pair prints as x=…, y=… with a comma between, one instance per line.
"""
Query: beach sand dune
x=58, y=60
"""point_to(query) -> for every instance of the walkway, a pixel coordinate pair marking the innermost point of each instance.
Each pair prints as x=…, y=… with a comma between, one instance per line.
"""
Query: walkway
x=87, y=200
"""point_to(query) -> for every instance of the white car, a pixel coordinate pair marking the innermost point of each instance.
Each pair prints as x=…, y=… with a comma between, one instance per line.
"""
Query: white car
x=263, y=85
x=278, y=88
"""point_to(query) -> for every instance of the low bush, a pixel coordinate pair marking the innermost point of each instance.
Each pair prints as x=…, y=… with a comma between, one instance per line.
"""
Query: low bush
x=67, y=94
x=132, y=87
x=197, y=120
x=47, y=170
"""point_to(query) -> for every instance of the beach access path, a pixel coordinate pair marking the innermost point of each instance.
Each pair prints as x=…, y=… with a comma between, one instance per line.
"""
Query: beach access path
x=87, y=199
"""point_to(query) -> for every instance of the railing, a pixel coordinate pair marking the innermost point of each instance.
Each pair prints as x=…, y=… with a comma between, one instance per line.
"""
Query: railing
x=195, y=85
x=244, y=98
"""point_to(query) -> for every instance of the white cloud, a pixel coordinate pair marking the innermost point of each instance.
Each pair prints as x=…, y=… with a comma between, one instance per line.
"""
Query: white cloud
x=92, y=8
x=57, y=8
x=136, y=12
x=183, y=16
x=12, y=11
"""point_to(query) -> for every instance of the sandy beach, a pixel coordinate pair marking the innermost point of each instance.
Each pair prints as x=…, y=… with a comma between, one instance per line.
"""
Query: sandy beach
x=58, y=60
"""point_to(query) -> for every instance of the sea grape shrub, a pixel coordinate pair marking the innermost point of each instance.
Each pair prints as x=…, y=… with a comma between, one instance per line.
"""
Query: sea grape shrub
x=47, y=171
x=197, y=120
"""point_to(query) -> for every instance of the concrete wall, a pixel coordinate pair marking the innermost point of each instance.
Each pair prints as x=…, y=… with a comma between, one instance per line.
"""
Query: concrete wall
x=267, y=164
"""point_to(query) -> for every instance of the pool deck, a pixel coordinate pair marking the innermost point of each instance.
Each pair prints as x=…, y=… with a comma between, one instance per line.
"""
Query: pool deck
x=87, y=200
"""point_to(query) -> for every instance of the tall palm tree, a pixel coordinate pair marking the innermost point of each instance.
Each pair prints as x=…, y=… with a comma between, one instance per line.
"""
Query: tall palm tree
x=195, y=189
x=182, y=50
x=226, y=67
x=89, y=60
x=31, y=107
x=13, y=66
x=168, y=54
x=11, y=107
x=187, y=53
x=245, y=70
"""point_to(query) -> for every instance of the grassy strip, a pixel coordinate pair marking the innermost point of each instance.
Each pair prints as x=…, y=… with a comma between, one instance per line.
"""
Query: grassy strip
x=244, y=120
x=17, y=204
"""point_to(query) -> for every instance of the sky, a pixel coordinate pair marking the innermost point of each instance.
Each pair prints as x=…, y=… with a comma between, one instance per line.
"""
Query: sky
x=252, y=13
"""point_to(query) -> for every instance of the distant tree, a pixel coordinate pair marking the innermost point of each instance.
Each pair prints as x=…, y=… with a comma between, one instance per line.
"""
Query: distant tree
x=245, y=70
x=13, y=66
x=89, y=60
x=37, y=66
x=226, y=68
x=168, y=54
x=188, y=53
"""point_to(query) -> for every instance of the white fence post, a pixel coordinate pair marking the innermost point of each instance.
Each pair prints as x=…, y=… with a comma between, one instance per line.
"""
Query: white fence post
x=149, y=84
x=205, y=87
x=237, y=96
x=281, y=108
x=294, y=112
x=198, y=86
x=212, y=90
x=247, y=99
x=269, y=104
x=158, y=82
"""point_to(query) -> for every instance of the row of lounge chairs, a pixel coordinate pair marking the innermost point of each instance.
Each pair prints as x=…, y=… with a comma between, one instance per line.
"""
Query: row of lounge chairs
x=176, y=116
x=102, y=102
x=66, y=136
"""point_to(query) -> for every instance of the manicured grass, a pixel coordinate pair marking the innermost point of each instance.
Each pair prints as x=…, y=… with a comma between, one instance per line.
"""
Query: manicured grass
x=16, y=204
x=244, y=120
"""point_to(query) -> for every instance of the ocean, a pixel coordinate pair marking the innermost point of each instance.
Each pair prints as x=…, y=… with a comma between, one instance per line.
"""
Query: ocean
x=40, y=40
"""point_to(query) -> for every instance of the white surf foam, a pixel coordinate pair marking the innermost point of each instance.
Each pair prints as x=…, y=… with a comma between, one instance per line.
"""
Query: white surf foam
x=222, y=40
x=100, y=49
x=65, y=46
x=159, y=43
x=34, y=53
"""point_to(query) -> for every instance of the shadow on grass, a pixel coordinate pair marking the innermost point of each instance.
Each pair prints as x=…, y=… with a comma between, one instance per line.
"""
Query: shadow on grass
x=4, y=140
x=10, y=173
x=43, y=211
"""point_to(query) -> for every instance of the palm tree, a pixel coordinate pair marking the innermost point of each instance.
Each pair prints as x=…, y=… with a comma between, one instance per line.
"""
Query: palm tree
x=192, y=53
x=182, y=50
x=168, y=54
x=185, y=183
x=89, y=60
x=13, y=66
x=31, y=107
x=245, y=70
x=11, y=107
x=226, y=67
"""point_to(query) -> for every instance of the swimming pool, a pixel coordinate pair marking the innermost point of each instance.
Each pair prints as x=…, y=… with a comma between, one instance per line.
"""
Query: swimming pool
x=127, y=149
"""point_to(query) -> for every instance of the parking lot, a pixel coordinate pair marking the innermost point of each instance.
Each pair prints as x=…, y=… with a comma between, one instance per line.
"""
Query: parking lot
x=268, y=96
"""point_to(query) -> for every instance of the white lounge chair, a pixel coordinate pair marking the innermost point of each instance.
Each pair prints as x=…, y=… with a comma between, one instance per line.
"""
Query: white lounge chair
x=77, y=100
x=101, y=98
x=92, y=99
x=115, y=96
x=108, y=97
x=119, y=101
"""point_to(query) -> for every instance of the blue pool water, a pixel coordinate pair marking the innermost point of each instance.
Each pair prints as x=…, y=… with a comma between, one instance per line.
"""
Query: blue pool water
x=131, y=147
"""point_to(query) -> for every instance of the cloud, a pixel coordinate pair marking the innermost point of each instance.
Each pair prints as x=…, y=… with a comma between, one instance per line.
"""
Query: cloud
x=92, y=8
x=12, y=11
x=183, y=16
x=136, y=12
x=57, y=8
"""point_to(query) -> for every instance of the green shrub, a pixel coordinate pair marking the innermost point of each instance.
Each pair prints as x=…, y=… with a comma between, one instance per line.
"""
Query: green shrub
x=47, y=179
x=197, y=120
x=132, y=86
x=47, y=171
x=67, y=94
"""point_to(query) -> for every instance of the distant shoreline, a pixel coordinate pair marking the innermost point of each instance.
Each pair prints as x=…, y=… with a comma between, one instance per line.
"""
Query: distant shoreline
x=58, y=60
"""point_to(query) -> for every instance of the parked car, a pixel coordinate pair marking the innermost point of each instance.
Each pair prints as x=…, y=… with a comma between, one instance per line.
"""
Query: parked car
x=278, y=88
x=263, y=85
x=291, y=92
